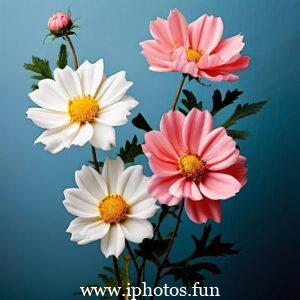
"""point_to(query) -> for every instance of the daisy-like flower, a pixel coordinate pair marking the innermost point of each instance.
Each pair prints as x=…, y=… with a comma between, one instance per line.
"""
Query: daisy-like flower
x=192, y=160
x=81, y=106
x=111, y=206
x=195, y=48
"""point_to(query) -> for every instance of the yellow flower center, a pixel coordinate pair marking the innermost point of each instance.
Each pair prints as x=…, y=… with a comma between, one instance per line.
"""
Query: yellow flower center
x=193, y=54
x=113, y=209
x=191, y=166
x=83, y=109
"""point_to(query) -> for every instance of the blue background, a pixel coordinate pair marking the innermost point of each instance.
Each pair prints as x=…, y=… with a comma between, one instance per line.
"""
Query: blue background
x=37, y=259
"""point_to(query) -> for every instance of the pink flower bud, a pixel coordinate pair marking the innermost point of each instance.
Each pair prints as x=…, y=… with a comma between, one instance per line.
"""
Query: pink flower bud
x=59, y=23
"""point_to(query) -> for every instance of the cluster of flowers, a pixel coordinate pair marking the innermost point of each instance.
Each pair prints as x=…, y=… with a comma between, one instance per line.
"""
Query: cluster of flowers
x=193, y=163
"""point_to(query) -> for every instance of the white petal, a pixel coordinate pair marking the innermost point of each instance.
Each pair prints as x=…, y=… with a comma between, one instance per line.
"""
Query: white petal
x=113, y=89
x=104, y=136
x=78, y=225
x=113, y=242
x=98, y=231
x=46, y=118
x=111, y=171
x=144, y=209
x=135, y=230
x=92, y=182
x=50, y=95
x=88, y=230
x=116, y=114
x=131, y=183
x=58, y=138
x=84, y=135
x=141, y=192
x=69, y=81
x=80, y=203
x=90, y=76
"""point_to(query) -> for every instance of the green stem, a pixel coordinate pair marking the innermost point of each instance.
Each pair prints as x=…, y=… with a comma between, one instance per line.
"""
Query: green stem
x=94, y=153
x=118, y=277
x=132, y=256
x=164, y=213
x=67, y=38
x=156, y=229
x=179, y=91
x=174, y=234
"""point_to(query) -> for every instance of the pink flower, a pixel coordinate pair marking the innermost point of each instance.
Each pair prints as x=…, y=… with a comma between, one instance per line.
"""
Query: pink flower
x=195, y=49
x=192, y=160
x=59, y=23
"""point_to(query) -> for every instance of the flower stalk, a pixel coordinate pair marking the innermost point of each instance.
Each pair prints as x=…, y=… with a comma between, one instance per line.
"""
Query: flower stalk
x=179, y=91
x=68, y=39
x=174, y=234
x=118, y=277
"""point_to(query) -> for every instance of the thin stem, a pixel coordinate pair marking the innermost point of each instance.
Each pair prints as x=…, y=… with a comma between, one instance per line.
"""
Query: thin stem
x=73, y=51
x=118, y=277
x=179, y=91
x=132, y=256
x=94, y=153
x=174, y=234
x=165, y=212
x=156, y=229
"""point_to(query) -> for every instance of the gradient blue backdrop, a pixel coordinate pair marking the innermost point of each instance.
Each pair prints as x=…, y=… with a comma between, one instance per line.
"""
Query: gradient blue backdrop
x=37, y=259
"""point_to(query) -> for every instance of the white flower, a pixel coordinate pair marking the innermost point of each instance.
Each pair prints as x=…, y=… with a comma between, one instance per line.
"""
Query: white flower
x=111, y=206
x=81, y=106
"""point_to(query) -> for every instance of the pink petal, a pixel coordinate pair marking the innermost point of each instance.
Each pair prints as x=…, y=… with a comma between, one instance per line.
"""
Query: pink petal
x=160, y=31
x=159, y=188
x=181, y=64
x=178, y=28
x=210, y=61
x=238, y=65
x=219, y=186
x=157, y=145
x=230, y=47
x=171, y=127
x=200, y=211
x=205, y=33
x=238, y=170
x=160, y=167
x=156, y=56
x=163, y=159
x=218, y=150
x=216, y=76
x=196, y=126
x=185, y=188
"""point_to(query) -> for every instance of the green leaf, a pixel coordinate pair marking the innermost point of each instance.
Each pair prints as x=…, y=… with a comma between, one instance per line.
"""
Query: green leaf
x=214, y=248
x=186, y=273
x=131, y=150
x=62, y=59
x=243, y=111
x=239, y=134
x=34, y=86
x=39, y=66
x=198, y=79
x=229, y=98
x=140, y=122
x=190, y=102
x=153, y=249
x=191, y=273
